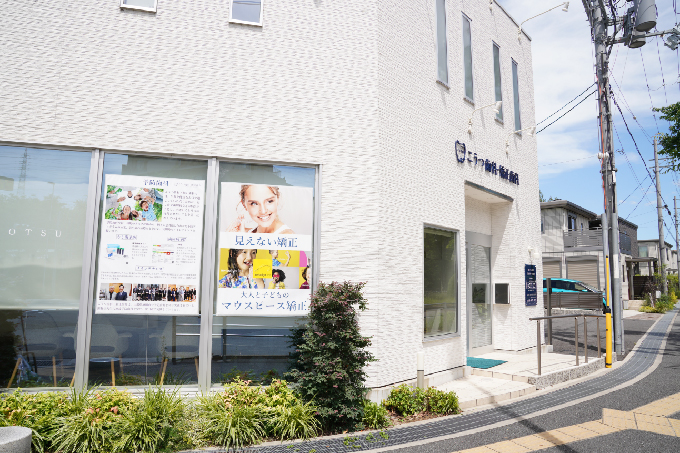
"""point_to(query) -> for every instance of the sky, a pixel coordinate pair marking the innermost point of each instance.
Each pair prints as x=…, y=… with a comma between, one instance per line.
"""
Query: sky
x=563, y=65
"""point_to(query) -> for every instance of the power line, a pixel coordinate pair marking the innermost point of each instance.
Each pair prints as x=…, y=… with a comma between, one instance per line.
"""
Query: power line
x=546, y=118
x=572, y=160
x=562, y=116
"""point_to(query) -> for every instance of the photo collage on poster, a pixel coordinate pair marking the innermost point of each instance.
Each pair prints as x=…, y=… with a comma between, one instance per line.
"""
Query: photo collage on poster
x=150, y=248
x=265, y=256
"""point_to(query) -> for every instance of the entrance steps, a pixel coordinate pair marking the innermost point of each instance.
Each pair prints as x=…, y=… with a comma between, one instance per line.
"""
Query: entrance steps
x=518, y=376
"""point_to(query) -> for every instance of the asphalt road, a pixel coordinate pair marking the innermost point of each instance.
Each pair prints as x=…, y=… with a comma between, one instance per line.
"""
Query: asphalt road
x=662, y=382
x=563, y=334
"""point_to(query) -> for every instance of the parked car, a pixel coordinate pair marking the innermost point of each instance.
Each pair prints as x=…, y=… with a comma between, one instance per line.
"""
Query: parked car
x=564, y=285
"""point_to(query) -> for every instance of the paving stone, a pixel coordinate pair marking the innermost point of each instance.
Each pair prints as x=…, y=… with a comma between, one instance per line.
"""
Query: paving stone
x=675, y=424
x=508, y=447
x=557, y=437
x=534, y=442
x=599, y=427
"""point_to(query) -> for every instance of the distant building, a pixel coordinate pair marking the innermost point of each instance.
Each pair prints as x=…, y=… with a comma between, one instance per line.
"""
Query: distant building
x=649, y=248
x=572, y=245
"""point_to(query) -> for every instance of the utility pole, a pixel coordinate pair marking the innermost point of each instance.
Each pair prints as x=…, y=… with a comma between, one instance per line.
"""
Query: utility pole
x=659, y=213
x=632, y=30
x=599, y=21
x=677, y=243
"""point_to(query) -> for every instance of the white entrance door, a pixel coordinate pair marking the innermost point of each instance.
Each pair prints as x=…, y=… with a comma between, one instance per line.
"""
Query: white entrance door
x=479, y=294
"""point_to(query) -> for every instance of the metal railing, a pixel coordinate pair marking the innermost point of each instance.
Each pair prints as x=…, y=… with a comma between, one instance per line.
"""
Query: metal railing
x=582, y=238
x=585, y=335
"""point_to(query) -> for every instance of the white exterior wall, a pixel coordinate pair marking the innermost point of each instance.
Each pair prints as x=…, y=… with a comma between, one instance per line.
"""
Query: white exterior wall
x=420, y=121
x=349, y=85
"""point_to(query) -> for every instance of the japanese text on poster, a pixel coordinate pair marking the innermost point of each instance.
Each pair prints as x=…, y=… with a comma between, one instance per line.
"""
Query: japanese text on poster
x=265, y=259
x=150, y=249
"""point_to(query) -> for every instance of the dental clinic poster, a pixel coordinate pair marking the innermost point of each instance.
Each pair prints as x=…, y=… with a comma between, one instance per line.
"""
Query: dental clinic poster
x=265, y=250
x=150, y=248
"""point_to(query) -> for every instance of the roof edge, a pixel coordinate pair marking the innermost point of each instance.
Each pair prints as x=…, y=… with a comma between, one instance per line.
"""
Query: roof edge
x=512, y=19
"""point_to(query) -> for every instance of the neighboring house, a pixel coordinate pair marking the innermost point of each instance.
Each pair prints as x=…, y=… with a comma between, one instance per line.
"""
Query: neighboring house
x=572, y=245
x=649, y=248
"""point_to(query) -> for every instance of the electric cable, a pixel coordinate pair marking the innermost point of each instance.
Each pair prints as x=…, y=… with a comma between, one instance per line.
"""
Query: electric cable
x=565, y=105
x=562, y=116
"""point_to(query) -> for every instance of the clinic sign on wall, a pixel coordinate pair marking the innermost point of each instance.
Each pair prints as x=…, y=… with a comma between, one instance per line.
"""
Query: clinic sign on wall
x=265, y=250
x=150, y=248
x=487, y=165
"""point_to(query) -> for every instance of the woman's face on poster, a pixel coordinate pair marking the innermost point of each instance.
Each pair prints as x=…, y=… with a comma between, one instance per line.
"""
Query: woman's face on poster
x=126, y=210
x=245, y=258
x=262, y=205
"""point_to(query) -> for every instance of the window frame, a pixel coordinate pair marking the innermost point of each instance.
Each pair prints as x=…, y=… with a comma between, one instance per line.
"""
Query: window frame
x=472, y=60
x=245, y=22
x=140, y=8
x=457, y=333
x=500, y=79
x=89, y=289
x=516, y=104
x=446, y=42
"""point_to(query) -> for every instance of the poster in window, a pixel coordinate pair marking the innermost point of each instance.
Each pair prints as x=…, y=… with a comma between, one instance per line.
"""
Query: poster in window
x=265, y=250
x=150, y=248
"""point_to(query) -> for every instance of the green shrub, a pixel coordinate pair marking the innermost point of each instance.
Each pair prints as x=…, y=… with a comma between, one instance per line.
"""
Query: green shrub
x=406, y=400
x=90, y=421
x=662, y=305
x=331, y=356
x=231, y=425
x=375, y=415
x=440, y=402
x=296, y=421
x=153, y=426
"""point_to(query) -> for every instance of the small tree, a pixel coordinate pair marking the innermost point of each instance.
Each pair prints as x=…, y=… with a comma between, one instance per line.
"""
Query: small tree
x=670, y=142
x=331, y=356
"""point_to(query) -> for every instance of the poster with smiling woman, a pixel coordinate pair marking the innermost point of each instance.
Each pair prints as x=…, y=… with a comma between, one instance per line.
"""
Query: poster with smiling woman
x=265, y=240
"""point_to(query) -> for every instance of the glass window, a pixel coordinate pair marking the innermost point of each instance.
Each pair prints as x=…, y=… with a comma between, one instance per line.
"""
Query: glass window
x=43, y=198
x=146, y=5
x=467, y=58
x=515, y=93
x=128, y=346
x=246, y=12
x=264, y=267
x=643, y=251
x=497, y=78
x=442, y=58
x=440, y=282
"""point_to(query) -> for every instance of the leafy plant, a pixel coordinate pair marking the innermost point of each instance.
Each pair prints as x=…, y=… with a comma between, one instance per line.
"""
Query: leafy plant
x=153, y=426
x=231, y=425
x=662, y=305
x=440, y=402
x=406, y=400
x=375, y=415
x=332, y=356
x=295, y=422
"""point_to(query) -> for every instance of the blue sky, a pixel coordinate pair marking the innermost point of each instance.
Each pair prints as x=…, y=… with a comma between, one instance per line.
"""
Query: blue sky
x=563, y=65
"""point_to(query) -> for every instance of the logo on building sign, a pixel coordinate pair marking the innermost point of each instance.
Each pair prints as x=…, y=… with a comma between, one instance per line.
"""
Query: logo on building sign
x=463, y=155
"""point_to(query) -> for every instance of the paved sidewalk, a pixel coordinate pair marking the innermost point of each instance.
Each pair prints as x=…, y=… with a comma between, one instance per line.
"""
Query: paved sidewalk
x=636, y=367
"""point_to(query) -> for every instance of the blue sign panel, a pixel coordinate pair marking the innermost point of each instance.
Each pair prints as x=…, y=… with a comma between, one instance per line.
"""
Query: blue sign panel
x=530, y=285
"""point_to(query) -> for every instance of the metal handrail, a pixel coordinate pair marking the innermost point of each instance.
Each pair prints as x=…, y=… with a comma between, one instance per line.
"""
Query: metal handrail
x=585, y=331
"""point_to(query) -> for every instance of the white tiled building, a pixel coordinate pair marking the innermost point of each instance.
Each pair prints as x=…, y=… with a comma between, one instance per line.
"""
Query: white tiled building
x=374, y=97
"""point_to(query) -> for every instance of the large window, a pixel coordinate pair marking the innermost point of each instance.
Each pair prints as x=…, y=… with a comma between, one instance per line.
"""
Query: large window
x=498, y=92
x=442, y=58
x=128, y=346
x=467, y=58
x=246, y=12
x=129, y=270
x=43, y=198
x=643, y=251
x=515, y=96
x=440, y=279
x=257, y=284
